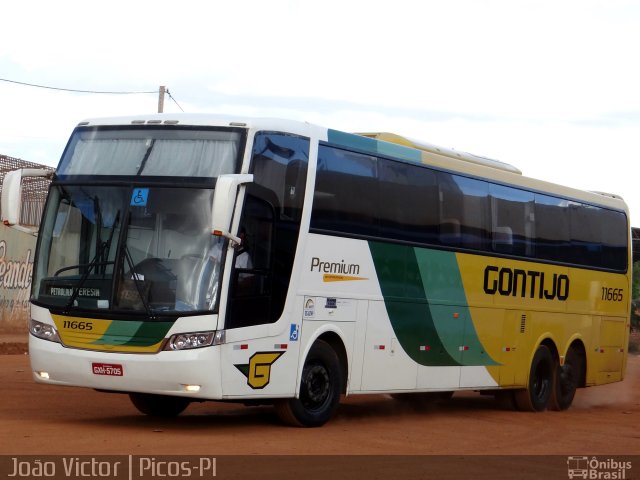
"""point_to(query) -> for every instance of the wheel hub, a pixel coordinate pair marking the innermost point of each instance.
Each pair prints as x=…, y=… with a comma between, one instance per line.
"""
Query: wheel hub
x=317, y=384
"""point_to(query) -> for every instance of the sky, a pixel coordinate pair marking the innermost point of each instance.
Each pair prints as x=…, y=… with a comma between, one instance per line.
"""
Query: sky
x=550, y=86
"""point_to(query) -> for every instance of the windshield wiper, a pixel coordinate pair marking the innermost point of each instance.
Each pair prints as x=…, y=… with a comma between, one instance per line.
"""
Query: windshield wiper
x=136, y=282
x=103, y=248
x=74, y=267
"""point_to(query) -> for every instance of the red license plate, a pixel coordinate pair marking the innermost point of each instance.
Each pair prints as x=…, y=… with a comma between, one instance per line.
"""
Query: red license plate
x=112, y=369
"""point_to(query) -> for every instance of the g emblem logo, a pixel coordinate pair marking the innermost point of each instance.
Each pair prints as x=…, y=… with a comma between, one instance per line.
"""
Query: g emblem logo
x=258, y=371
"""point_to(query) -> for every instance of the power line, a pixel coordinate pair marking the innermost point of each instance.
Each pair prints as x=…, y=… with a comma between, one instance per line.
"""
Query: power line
x=76, y=90
x=93, y=91
x=174, y=100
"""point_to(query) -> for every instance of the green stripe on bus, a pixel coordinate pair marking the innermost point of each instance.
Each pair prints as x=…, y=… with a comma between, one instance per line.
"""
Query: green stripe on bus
x=150, y=333
x=445, y=293
x=373, y=146
x=425, y=300
x=349, y=140
x=399, y=151
x=119, y=332
x=134, y=333
x=406, y=304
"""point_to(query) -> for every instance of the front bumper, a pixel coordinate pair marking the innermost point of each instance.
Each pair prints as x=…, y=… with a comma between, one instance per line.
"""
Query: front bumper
x=163, y=373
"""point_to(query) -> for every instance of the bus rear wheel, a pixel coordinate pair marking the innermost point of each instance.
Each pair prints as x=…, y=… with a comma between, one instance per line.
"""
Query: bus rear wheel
x=535, y=398
x=159, y=405
x=567, y=379
x=320, y=387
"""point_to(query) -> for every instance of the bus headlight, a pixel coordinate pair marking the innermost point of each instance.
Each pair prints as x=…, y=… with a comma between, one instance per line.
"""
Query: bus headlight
x=43, y=331
x=188, y=341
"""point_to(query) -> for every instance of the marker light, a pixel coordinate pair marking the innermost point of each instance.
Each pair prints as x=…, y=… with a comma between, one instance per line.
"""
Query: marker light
x=191, y=388
x=220, y=338
x=43, y=331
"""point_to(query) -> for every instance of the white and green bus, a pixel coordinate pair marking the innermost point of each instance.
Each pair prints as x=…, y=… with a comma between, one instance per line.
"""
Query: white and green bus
x=191, y=258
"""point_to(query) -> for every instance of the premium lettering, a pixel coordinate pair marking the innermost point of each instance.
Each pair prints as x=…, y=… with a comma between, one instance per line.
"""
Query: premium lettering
x=340, y=267
x=525, y=283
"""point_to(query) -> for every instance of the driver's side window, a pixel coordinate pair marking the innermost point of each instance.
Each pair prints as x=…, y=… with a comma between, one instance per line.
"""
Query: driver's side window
x=252, y=263
x=271, y=224
x=251, y=279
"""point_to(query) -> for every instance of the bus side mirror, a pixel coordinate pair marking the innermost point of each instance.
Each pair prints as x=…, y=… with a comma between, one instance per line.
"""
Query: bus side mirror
x=224, y=200
x=12, y=196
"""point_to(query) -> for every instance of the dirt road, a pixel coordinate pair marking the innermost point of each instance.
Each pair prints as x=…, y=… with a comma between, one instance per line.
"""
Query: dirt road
x=41, y=420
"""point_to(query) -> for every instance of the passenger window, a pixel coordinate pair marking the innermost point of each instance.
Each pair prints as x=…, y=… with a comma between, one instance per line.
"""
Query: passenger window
x=586, y=243
x=552, y=228
x=512, y=221
x=409, y=206
x=280, y=164
x=463, y=211
x=614, y=233
x=346, y=197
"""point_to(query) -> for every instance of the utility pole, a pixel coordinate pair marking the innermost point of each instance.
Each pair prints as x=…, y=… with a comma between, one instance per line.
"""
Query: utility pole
x=161, y=98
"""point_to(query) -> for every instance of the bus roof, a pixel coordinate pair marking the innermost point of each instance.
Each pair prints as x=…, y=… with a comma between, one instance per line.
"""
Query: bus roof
x=428, y=147
x=204, y=120
x=438, y=156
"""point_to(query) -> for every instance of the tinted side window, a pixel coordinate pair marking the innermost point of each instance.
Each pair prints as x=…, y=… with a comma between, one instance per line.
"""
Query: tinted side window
x=615, y=238
x=364, y=195
x=599, y=236
x=463, y=211
x=409, y=207
x=346, y=194
x=586, y=243
x=280, y=164
x=553, y=238
x=270, y=225
x=512, y=220
x=572, y=232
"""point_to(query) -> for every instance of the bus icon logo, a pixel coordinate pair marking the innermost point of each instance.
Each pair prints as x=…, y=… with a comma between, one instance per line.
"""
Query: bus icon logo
x=578, y=467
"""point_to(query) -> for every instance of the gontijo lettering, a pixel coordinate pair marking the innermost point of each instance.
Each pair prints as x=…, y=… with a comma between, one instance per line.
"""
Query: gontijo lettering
x=525, y=283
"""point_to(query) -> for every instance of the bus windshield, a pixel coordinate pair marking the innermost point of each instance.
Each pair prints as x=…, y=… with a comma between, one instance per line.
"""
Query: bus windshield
x=165, y=152
x=141, y=249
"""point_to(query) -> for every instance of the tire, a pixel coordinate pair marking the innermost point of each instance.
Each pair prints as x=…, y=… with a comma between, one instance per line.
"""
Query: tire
x=535, y=398
x=320, y=388
x=568, y=377
x=159, y=405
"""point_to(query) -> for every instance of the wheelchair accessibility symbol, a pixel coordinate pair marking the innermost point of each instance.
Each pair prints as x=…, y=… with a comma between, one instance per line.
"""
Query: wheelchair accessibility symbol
x=293, y=334
x=139, y=197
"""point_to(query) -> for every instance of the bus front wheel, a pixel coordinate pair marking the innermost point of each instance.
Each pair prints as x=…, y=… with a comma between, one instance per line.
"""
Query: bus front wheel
x=320, y=387
x=159, y=405
x=535, y=397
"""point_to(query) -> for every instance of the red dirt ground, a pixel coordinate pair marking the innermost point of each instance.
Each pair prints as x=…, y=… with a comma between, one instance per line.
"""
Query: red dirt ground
x=41, y=420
